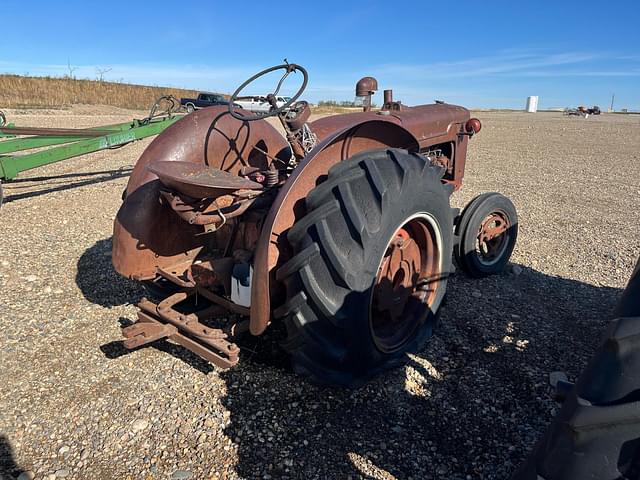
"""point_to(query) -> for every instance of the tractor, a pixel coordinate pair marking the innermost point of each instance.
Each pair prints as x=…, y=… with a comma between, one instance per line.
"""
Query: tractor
x=337, y=232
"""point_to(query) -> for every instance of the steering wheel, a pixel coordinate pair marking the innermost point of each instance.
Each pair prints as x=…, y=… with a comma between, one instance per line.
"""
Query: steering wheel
x=271, y=98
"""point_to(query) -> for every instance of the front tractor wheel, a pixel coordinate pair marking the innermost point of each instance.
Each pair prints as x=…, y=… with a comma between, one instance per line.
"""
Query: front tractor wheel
x=486, y=235
x=370, y=265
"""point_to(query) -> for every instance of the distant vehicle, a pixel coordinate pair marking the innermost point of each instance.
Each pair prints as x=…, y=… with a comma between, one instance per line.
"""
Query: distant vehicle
x=204, y=100
x=582, y=111
x=259, y=103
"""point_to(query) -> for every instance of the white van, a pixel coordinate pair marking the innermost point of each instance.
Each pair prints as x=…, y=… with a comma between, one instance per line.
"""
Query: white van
x=258, y=103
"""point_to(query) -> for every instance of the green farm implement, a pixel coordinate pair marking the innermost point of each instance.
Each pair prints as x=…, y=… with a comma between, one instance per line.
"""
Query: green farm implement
x=25, y=148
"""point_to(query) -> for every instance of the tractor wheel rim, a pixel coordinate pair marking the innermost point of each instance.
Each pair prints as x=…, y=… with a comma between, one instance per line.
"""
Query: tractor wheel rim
x=492, y=239
x=408, y=278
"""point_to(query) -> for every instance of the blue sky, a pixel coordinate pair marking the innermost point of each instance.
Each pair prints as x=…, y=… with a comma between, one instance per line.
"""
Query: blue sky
x=478, y=54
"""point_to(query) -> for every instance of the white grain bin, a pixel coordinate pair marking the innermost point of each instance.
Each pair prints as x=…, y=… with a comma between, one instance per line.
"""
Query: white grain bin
x=532, y=104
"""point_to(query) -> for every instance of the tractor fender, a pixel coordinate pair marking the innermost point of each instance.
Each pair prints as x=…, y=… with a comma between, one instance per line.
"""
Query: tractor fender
x=349, y=138
x=147, y=234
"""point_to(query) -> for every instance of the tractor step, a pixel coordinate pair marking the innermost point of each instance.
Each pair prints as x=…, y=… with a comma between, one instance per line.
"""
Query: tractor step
x=158, y=321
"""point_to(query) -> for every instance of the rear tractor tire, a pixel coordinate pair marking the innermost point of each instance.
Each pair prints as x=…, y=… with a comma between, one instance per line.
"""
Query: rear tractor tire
x=369, y=267
x=486, y=234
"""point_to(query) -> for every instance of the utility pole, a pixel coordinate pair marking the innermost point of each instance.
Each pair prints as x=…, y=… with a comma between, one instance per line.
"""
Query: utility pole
x=613, y=96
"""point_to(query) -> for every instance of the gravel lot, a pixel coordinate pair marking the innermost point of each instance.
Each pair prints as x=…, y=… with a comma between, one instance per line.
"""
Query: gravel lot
x=75, y=404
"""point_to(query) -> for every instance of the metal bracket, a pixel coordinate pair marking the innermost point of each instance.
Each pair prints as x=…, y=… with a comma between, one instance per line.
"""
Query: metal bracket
x=163, y=321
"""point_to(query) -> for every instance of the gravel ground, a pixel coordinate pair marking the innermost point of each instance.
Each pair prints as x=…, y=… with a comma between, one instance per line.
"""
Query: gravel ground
x=471, y=404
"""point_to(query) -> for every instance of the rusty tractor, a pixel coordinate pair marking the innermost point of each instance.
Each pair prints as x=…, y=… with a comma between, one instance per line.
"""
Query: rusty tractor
x=339, y=229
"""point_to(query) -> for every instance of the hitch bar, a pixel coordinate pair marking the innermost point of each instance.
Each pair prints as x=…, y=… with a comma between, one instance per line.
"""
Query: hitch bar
x=163, y=321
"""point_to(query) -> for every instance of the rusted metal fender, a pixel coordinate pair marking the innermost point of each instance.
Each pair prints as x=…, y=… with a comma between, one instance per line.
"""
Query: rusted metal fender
x=147, y=234
x=351, y=133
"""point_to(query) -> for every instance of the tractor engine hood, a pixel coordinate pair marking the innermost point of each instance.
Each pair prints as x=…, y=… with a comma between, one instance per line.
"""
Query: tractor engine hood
x=425, y=122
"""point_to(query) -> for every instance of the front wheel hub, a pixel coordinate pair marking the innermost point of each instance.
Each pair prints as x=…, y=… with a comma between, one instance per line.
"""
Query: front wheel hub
x=492, y=239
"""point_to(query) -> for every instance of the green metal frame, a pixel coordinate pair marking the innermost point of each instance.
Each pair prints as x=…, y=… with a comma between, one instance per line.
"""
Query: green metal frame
x=63, y=147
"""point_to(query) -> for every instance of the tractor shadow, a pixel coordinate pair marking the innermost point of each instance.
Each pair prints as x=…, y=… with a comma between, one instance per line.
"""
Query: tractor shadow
x=100, y=283
x=23, y=188
x=470, y=404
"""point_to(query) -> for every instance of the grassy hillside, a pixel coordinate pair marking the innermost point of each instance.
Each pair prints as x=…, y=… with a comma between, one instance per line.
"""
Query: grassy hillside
x=18, y=91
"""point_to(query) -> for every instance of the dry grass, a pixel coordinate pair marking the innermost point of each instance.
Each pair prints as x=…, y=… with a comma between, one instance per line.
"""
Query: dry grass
x=326, y=109
x=18, y=91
